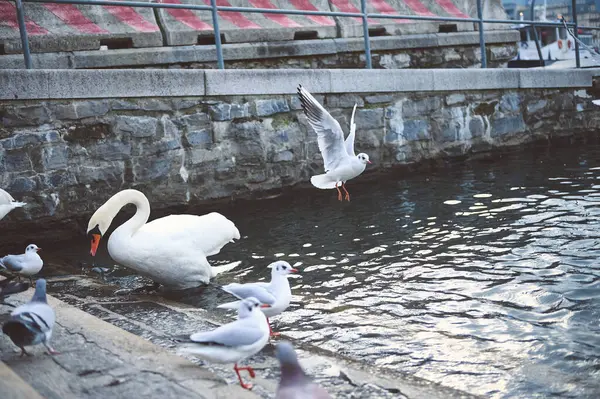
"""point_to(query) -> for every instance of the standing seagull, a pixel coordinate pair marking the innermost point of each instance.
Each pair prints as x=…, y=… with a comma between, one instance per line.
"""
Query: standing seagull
x=32, y=323
x=26, y=264
x=234, y=341
x=276, y=294
x=294, y=383
x=341, y=164
x=8, y=203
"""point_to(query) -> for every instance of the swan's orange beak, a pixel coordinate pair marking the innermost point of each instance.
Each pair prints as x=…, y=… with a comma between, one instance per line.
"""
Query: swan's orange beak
x=95, y=242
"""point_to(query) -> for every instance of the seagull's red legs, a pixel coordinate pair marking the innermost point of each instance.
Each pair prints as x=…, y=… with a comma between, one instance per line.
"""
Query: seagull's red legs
x=347, y=193
x=339, y=192
x=249, y=370
x=271, y=333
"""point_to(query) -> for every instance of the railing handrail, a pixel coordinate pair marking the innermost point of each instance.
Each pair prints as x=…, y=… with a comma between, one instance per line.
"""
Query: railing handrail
x=364, y=15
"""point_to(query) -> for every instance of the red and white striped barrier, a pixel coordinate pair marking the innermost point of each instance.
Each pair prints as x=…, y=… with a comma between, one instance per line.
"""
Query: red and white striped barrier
x=67, y=27
x=191, y=27
x=352, y=27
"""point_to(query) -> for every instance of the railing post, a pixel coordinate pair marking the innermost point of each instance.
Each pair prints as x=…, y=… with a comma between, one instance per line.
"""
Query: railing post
x=481, y=37
x=365, y=21
x=217, y=33
x=23, y=32
x=575, y=29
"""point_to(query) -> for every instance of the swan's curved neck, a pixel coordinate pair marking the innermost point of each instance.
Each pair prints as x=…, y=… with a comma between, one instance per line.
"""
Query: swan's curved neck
x=119, y=200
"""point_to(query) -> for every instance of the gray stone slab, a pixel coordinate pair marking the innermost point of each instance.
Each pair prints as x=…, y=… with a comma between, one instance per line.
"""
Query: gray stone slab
x=380, y=80
x=52, y=84
x=66, y=27
x=185, y=27
x=475, y=79
x=266, y=81
x=530, y=79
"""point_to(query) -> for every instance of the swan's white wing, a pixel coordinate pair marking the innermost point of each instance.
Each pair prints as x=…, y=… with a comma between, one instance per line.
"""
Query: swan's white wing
x=243, y=291
x=241, y=332
x=350, y=139
x=329, y=133
x=209, y=233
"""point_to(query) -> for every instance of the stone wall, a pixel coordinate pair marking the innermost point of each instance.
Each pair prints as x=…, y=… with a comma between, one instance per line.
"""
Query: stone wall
x=65, y=157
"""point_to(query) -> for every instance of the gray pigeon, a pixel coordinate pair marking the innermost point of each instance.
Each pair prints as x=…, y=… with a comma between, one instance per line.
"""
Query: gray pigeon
x=294, y=383
x=9, y=287
x=32, y=323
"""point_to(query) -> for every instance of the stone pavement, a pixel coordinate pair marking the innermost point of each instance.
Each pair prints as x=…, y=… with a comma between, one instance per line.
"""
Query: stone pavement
x=101, y=356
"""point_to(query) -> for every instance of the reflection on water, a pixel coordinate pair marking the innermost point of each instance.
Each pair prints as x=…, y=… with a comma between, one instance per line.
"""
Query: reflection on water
x=484, y=277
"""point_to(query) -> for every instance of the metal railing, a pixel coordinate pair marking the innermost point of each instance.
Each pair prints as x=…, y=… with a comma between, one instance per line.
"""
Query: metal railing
x=364, y=15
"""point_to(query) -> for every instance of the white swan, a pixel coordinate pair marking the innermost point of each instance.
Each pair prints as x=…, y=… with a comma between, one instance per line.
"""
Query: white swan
x=171, y=250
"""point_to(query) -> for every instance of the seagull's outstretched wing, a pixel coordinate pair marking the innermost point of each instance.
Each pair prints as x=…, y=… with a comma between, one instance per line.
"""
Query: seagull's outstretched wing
x=329, y=133
x=350, y=139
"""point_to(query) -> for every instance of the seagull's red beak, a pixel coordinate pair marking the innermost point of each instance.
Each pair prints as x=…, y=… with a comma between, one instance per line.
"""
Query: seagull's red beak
x=369, y=162
x=95, y=242
x=264, y=305
x=293, y=270
x=38, y=249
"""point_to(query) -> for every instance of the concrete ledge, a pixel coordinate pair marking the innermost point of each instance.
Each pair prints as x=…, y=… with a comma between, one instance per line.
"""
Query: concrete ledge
x=13, y=387
x=115, y=83
x=119, y=83
x=247, y=51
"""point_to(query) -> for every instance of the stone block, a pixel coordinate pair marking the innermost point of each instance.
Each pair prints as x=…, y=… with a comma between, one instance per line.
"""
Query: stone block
x=548, y=78
x=416, y=129
x=63, y=111
x=265, y=81
x=421, y=107
x=536, y=106
x=104, y=172
x=507, y=125
x=226, y=112
x=477, y=126
x=456, y=98
x=510, y=103
x=379, y=98
x=199, y=137
x=112, y=150
x=86, y=109
x=270, y=107
x=17, y=161
x=475, y=79
x=394, y=61
x=380, y=80
x=33, y=114
x=369, y=118
x=344, y=101
x=54, y=156
x=136, y=126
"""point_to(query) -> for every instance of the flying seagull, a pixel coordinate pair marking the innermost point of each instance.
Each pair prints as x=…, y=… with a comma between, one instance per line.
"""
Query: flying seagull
x=341, y=163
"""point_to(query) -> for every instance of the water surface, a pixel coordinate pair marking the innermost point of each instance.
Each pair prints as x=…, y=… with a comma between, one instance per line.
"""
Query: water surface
x=482, y=276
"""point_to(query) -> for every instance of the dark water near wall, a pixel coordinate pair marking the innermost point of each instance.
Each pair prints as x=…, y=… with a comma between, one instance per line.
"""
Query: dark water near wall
x=484, y=276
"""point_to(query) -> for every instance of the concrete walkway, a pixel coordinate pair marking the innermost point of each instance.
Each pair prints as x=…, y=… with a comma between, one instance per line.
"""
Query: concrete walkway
x=99, y=360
